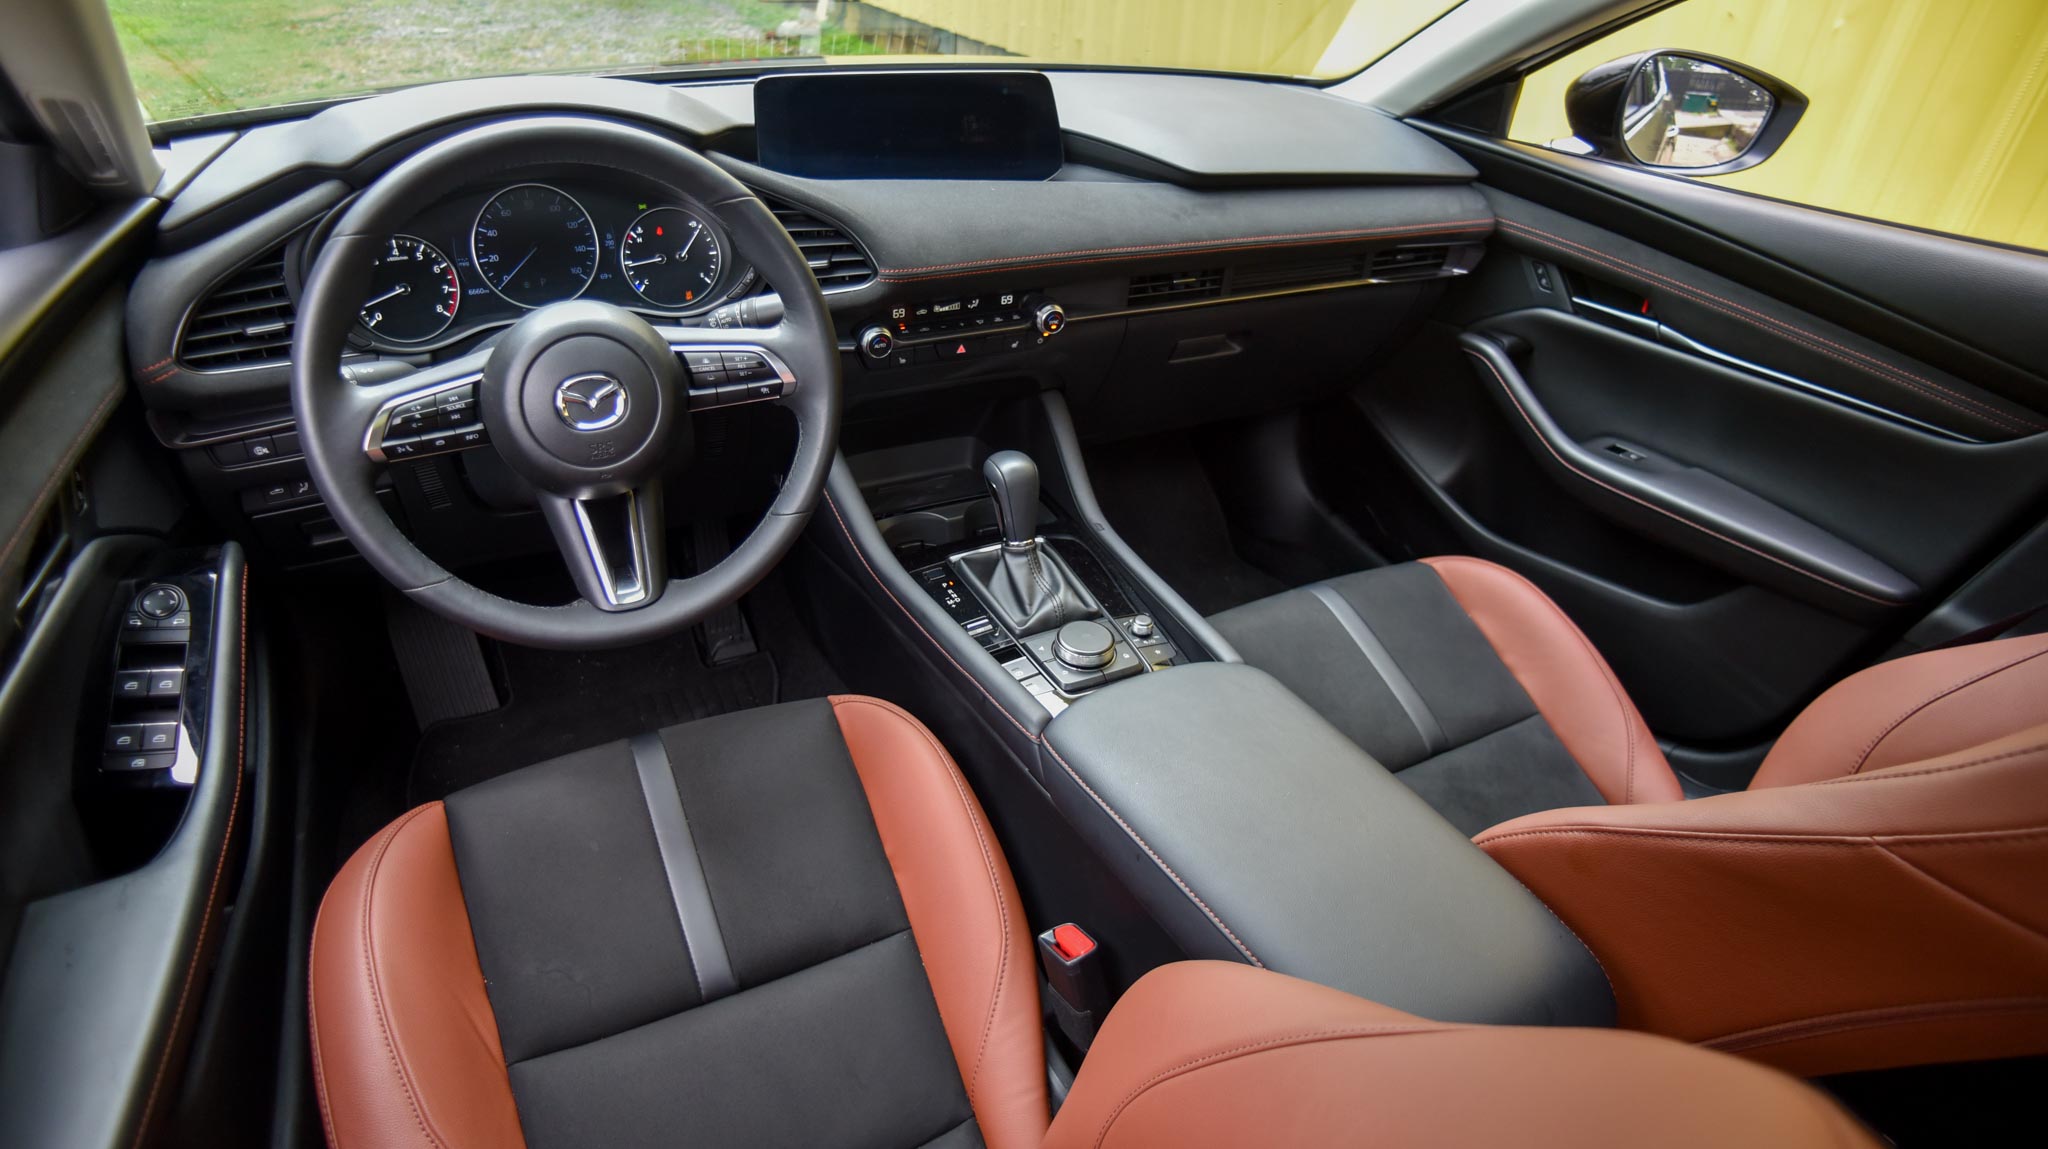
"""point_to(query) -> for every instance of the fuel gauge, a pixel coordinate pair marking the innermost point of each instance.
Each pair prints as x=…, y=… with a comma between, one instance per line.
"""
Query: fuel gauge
x=671, y=258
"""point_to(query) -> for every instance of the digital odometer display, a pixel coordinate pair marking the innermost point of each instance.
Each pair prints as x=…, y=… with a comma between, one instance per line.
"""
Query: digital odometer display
x=671, y=258
x=534, y=245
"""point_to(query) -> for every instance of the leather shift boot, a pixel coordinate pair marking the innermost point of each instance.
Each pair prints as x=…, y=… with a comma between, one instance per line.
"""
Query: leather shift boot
x=1030, y=589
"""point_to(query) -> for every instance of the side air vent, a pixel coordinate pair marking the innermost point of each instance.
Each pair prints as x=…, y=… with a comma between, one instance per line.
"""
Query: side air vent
x=1410, y=262
x=1279, y=276
x=1175, y=287
x=836, y=259
x=245, y=322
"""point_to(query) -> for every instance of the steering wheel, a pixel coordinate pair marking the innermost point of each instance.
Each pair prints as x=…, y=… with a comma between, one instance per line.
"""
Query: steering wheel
x=585, y=401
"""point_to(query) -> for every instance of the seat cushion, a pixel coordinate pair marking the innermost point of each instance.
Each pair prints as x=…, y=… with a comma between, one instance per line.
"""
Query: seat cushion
x=1202, y=1054
x=1464, y=679
x=787, y=926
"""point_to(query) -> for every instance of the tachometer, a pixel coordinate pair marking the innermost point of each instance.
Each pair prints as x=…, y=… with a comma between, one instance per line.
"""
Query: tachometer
x=414, y=291
x=534, y=245
x=671, y=258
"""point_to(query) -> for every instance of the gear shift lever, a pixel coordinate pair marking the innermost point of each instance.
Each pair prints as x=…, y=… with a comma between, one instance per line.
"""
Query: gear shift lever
x=1013, y=479
x=1024, y=582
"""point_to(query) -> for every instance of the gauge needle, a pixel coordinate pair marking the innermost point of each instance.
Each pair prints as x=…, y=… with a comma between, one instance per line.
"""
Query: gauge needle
x=685, y=253
x=648, y=260
x=520, y=264
x=401, y=289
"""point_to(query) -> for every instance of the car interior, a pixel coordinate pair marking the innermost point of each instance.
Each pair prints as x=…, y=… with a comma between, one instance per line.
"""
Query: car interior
x=993, y=602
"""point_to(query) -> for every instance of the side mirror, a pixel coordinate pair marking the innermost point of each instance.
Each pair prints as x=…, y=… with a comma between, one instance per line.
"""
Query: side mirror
x=1682, y=111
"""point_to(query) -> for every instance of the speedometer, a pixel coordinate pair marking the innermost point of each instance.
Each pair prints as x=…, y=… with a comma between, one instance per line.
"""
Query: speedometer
x=414, y=291
x=671, y=258
x=534, y=245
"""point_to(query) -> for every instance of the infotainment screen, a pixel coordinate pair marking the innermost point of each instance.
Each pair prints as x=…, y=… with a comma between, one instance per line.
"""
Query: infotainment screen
x=908, y=125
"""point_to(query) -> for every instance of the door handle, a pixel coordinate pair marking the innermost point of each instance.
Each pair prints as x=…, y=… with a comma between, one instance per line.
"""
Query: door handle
x=1689, y=508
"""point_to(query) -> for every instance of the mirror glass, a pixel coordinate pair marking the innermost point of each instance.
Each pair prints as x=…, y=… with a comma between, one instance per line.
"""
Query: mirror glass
x=1687, y=113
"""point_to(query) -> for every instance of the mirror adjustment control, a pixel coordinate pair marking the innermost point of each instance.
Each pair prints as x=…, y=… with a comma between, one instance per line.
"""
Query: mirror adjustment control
x=160, y=601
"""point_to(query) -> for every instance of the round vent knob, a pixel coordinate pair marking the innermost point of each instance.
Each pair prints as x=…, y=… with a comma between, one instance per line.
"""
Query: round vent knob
x=1085, y=645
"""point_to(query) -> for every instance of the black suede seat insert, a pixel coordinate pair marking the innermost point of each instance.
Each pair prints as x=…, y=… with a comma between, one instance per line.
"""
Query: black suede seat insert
x=1498, y=760
x=832, y=1037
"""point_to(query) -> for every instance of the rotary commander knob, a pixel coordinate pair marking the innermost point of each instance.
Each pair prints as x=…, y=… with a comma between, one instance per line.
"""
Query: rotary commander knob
x=1085, y=645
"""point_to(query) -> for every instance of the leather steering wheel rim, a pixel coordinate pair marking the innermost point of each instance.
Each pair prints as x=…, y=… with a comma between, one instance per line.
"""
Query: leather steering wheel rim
x=334, y=412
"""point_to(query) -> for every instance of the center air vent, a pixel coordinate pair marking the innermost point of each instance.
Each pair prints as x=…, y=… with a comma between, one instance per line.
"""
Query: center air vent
x=245, y=322
x=1175, y=287
x=1410, y=262
x=1280, y=276
x=836, y=259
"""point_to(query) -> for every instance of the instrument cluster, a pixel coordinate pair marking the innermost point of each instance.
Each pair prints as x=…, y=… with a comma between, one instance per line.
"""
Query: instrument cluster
x=482, y=259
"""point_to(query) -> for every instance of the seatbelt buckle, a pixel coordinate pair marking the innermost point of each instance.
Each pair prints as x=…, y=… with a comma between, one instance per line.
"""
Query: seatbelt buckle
x=1073, y=968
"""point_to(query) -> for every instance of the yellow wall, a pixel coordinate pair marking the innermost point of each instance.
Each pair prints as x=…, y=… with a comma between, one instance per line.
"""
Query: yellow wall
x=1291, y=37
x=1926, y=112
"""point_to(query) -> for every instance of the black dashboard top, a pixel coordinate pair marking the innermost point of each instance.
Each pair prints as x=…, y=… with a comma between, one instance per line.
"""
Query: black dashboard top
x=1195, y=131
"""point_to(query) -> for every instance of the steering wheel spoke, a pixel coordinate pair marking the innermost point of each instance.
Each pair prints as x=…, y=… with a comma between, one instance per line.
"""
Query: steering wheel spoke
x=729, y=366
x=614, y=544
x=428, y=412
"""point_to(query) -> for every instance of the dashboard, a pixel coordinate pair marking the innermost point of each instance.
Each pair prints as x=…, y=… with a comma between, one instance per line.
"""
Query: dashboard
x=1196, y=262
x=484, y=257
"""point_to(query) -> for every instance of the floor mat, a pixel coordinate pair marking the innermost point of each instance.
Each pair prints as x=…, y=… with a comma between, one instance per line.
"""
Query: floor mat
x=559, y=701
x=1158, y=498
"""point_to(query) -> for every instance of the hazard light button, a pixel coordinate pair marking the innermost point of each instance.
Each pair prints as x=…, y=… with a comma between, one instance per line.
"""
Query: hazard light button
x=959, y=348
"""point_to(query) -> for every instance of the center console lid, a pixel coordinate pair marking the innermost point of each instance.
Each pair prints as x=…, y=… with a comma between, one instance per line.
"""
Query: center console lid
x=1253, y=831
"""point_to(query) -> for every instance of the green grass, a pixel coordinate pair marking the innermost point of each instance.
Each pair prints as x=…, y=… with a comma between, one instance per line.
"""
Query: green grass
x=194, y=57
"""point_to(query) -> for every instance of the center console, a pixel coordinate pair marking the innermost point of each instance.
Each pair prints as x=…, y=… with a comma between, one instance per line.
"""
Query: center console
x=1029, y=607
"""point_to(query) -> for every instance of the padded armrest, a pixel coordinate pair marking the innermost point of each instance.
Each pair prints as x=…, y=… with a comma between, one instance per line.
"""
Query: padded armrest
x=1253, y=831
x=1205, y=1054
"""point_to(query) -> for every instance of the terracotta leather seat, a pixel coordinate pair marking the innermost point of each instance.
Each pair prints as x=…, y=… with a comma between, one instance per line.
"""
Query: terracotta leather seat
x=1874, y=898
x=792, y=926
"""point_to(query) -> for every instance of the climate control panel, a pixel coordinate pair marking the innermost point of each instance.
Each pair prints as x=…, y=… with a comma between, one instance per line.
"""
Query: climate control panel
x=966, y=327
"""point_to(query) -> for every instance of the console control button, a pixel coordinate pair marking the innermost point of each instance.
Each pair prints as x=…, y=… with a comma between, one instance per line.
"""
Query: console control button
x=126, y=737
x=1085, y=645
x=1125, y=663
x=1142, y=627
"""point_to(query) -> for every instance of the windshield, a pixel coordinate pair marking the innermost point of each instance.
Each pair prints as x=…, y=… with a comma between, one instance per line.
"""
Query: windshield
x=200, y=57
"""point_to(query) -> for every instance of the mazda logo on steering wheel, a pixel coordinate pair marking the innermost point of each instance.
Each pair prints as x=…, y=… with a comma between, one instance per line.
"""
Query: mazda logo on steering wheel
x=591, y=402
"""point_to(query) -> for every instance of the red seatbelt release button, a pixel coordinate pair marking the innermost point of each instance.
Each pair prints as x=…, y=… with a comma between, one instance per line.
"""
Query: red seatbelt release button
x=1072, y=942
x=1073, y=971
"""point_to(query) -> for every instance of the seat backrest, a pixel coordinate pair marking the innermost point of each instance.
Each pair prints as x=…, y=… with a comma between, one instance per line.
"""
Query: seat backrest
x=1914, y=708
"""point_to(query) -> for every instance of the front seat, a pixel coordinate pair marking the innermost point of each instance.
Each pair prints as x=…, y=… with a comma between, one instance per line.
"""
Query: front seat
x=793, y=926
x=1872, y=899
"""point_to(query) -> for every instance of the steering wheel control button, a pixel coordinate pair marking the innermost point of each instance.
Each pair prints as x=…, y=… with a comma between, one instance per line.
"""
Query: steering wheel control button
x=160, y=602
x=1085, y=645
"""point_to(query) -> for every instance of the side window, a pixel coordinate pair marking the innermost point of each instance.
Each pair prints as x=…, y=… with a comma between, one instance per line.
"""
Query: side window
x=1928, y=114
